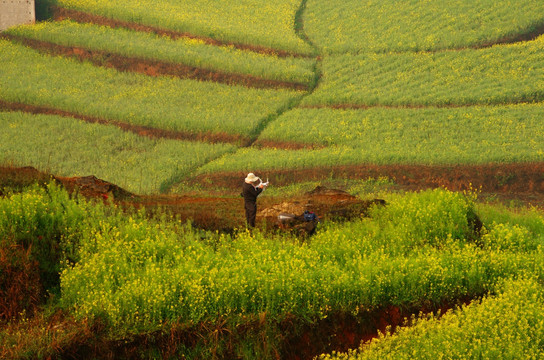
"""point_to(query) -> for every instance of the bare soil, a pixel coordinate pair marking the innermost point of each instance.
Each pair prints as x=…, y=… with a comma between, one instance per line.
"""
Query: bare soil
x=519, y=183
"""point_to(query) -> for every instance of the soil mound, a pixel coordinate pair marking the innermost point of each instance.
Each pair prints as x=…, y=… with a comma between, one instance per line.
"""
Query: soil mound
x=91, y=186
x=325, y=203
x=323, y=191
x=18, y=178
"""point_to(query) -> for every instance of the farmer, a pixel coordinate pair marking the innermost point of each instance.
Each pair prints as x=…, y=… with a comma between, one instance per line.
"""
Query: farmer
x=252, y=187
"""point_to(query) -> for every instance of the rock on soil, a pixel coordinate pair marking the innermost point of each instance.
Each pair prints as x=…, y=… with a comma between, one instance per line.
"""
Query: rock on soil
x=326, y=203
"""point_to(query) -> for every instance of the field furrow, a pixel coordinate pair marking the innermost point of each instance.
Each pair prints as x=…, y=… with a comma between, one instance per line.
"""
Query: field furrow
x=147, y=131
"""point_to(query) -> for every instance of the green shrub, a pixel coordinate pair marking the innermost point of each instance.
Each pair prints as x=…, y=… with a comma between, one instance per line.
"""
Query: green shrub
x=45, y=220
x=429, y=217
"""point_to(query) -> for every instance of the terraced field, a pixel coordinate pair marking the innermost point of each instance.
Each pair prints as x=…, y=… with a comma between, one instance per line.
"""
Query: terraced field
x=262, y=83
x=166, y=98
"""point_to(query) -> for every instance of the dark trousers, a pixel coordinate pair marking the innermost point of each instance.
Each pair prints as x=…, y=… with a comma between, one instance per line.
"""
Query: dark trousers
x=251, y=213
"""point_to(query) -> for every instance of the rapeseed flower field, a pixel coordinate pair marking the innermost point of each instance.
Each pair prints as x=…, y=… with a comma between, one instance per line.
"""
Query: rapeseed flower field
x=385, y=82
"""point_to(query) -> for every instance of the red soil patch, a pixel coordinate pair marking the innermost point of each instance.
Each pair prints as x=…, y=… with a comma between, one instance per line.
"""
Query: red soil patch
x=290, y=339
x=20, y=288
x=343, y=331
x=224, y=212
x=137, y=129
x=50, y=336
x=83, y=17
x=152, y=67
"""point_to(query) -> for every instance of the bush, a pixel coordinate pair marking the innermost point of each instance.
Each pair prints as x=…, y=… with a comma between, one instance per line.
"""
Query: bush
x=47, y=223
x=428, y=217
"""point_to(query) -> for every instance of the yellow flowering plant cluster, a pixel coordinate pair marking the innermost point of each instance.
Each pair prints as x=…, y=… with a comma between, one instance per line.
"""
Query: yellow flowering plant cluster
x=508, y=325
x=47, y=221
x=138, y=275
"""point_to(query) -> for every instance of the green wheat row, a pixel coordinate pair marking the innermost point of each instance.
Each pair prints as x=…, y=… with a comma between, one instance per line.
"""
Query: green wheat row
x=497, y=75
x=160, y=102
x=182, y=51
x=389, y=25
x=69, y=147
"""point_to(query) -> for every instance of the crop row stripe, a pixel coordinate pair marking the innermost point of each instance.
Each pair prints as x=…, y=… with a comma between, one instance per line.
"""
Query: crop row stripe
x=154, y=67
x=60, y=13
x=137, y=129
x=158, y=133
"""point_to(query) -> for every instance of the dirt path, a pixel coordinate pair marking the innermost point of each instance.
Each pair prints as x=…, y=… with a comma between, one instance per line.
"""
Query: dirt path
x=523, y=181
x=222, y=209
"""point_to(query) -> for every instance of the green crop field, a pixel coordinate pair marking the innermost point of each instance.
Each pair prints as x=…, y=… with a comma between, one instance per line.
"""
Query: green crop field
x=164, y=103
x=300, y=91
x=70, y=147
x=244, y=22
x=497, y=75
x=191, y=52
x=384, y=26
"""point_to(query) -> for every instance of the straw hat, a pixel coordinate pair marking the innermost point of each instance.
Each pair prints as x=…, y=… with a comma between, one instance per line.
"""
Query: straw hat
x=251, y=178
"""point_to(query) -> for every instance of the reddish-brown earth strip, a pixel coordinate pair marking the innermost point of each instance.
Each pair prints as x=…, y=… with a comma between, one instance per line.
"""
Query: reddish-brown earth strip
x=515, y=178
x=153, y=67
x=137, y=129
x=60, y=13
